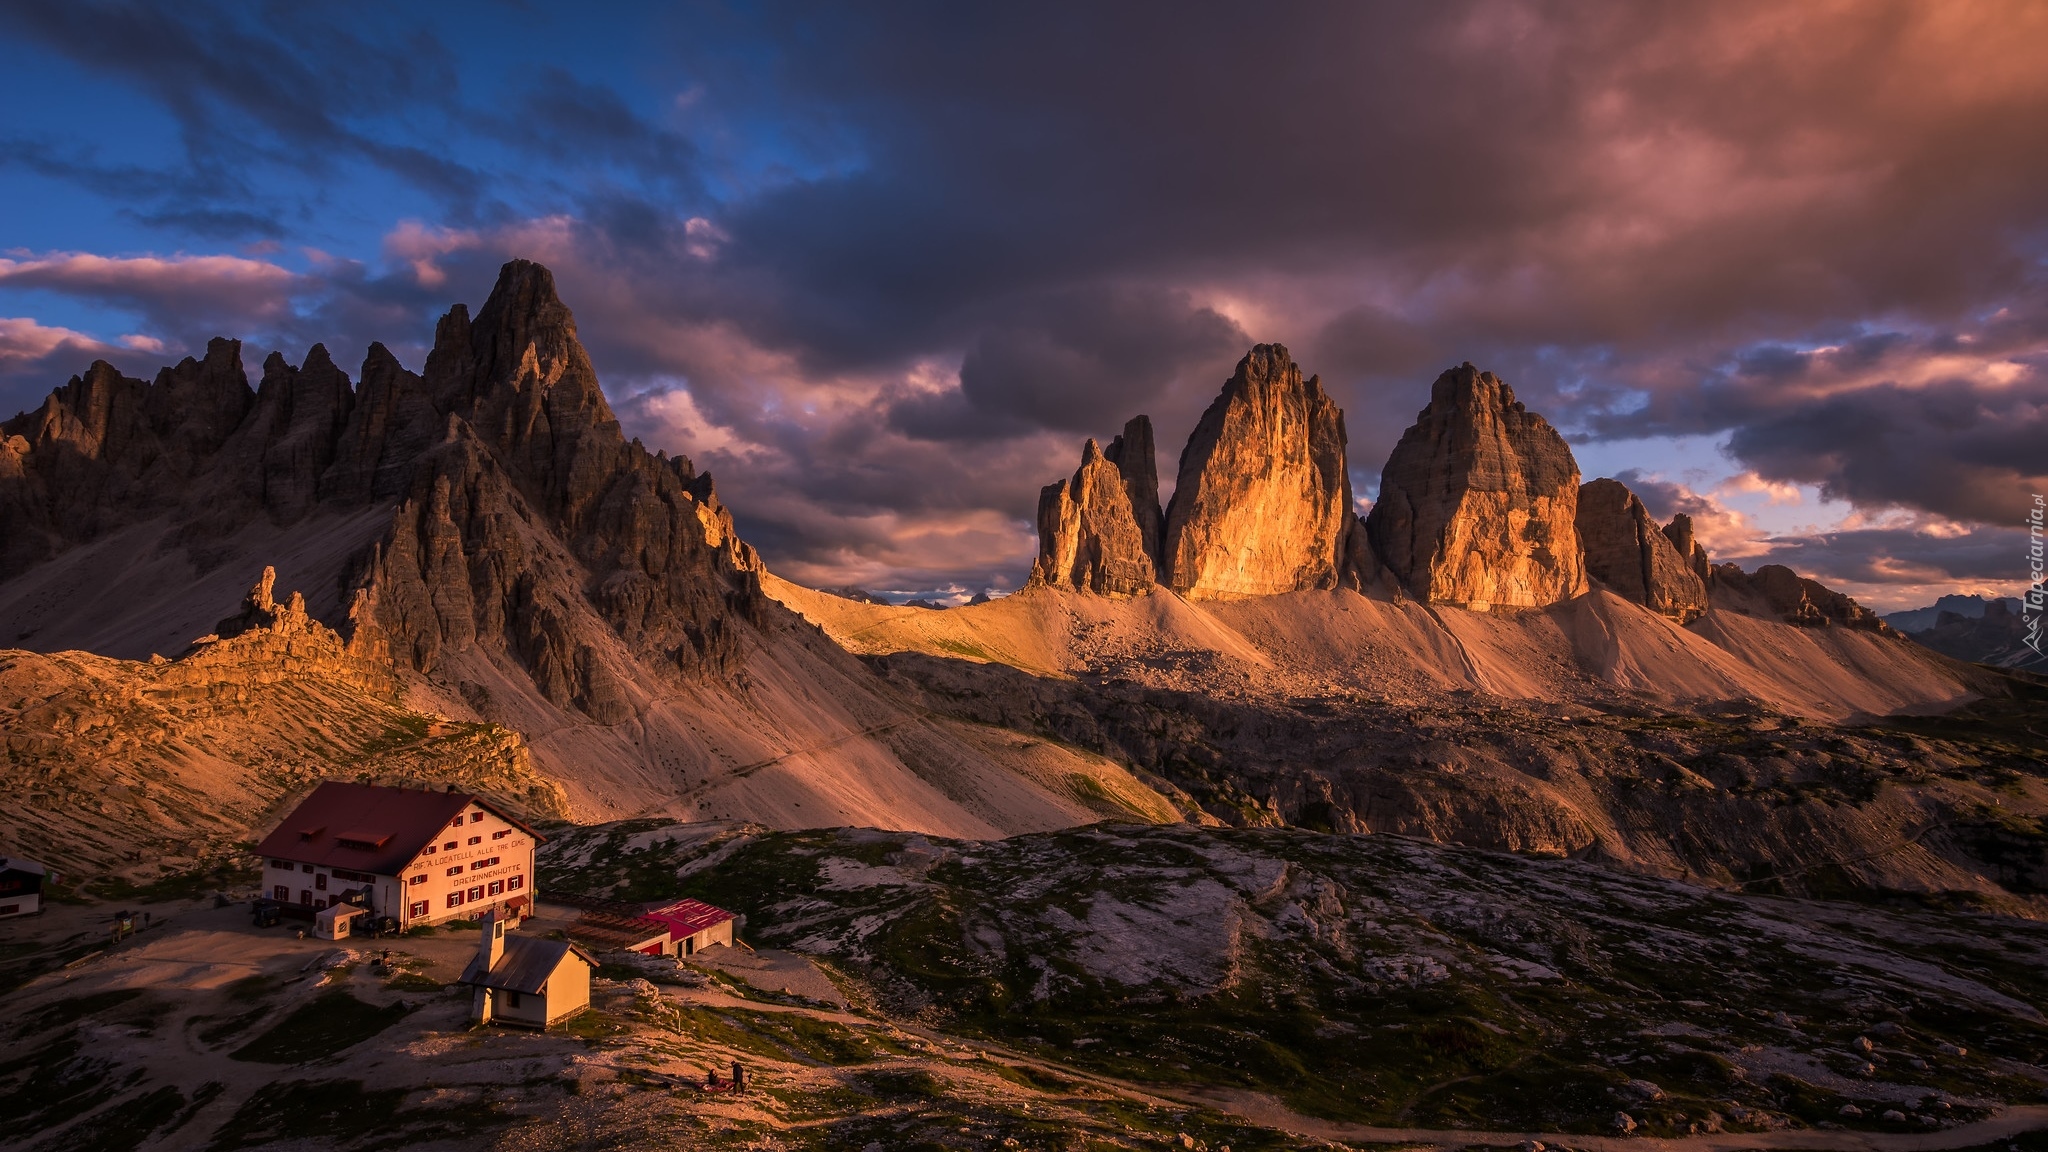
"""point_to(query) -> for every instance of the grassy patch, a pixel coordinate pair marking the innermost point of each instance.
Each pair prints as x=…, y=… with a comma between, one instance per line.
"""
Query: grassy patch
x=219, y=876
x=125, y=1125
x=344, y=1113
x=330, y=1023
x=70, y=1011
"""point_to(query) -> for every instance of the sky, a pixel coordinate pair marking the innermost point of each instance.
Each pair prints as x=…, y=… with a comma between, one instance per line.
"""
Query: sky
x=882, y=268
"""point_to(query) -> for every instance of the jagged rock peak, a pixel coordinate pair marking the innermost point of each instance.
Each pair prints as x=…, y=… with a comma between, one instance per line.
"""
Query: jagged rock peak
x=1262, y=504
x=1775, y=590
x=1680, y=533
x=1137, y=461
x=1478, y=501
x=1629, y=553
x=1090, y=528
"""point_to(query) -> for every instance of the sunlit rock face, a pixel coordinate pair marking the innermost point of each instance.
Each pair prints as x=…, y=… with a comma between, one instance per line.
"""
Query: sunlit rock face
x=1478, y=502
x=1098, y=531
x=1679, y=532
x=1263, y=502
x=1629, y=553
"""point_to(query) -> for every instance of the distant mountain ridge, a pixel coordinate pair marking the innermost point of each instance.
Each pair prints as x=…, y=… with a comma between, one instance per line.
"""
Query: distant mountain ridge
x=1972, y=607
x=1979, y=629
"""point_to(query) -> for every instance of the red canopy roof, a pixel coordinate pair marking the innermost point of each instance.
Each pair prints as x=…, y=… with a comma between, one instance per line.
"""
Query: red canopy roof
x=368, y=827
x=688, y=917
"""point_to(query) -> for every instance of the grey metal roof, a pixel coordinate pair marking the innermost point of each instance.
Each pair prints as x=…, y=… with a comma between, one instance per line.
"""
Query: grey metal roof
x=525, y=966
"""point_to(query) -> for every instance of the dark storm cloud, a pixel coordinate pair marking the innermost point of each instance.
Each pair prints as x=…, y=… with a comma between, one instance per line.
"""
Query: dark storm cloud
x=948, y=240
x=1879, y=556
x=1077, y=361
x=1947, y=422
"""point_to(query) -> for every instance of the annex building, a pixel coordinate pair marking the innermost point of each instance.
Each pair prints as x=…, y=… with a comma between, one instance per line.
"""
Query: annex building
x=418, y=857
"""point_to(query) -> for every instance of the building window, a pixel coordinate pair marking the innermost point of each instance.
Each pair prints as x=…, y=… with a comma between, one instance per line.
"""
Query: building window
x=497, y=888
x=501, y=833
x=455, y=871
x=284, y=864
x=515, y=883
x=476, y=893
x=476, y=817
x=281, y=894
x=306, y=897
x=448, y=847
x=320, y=903
x=417, y=908
x=456, y=823
x=455, y=899
x=320, y=883
x=427, y=851
x=307, y=868
x=419, y=879
x=480, y=865
x=476, y=839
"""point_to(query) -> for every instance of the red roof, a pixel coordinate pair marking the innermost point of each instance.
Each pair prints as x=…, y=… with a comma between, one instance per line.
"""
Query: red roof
x=368, y=827
x=688, y=917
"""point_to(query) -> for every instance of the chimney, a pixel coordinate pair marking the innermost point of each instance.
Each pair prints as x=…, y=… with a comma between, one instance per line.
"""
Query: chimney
x=492, y=946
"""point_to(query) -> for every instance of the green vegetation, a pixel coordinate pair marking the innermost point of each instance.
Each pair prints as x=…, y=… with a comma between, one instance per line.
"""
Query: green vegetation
x=1364, y=979
x=331, y=1022
x=194, y=884
x=345, y=1114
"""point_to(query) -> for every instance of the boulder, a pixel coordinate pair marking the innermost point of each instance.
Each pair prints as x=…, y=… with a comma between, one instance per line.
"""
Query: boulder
x=1628, y=552
x=1478, y=503
x=1262, y=504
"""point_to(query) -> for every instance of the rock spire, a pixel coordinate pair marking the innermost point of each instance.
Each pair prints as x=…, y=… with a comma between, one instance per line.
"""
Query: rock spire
x=1629, y=553
x=1099, y=531
x=1262, y=503
x=1477, y=504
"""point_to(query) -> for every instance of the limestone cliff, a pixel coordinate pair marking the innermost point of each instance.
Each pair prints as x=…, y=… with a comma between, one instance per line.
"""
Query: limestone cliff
x=1478, y=502
x=1262, y=504
x=1090, y=534
x=1628, y=552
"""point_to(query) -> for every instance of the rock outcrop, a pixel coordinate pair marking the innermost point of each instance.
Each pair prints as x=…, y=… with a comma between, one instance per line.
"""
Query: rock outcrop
x=1777, y=591
x=1478, y=503
x=1262, y=504
x=1629, y=553
x=1679, y=532
x=1091, y=531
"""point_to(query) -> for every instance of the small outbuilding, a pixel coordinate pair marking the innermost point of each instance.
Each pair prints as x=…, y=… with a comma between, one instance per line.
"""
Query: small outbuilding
x=21, y=886
x=526, y=981
x=693, y=926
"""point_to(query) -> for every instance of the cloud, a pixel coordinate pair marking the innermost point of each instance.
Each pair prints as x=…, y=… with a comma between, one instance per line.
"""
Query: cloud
x=230, y=285
x=883, y=269
x=1906, y=567
x=24, y=342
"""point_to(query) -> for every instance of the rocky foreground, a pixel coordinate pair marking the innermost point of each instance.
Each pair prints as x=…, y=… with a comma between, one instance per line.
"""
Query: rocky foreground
x=1115, y=987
